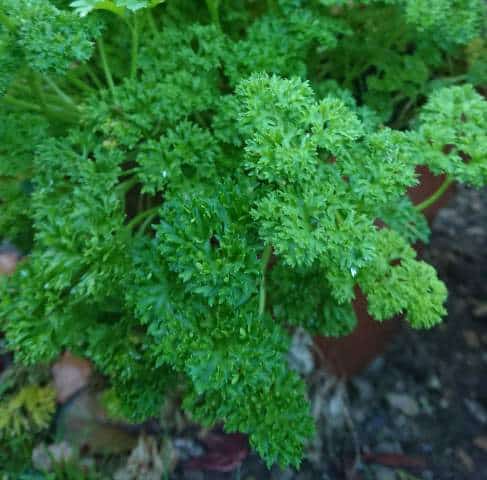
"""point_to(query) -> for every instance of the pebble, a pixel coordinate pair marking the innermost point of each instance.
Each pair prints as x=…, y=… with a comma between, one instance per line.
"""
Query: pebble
x=187, y=448
x=384, y=473
x=476, y=410
x=471, y=338
x=466, y=460
x=300, y=356
x=403, y=402
x=434, y=383
x=480, y=442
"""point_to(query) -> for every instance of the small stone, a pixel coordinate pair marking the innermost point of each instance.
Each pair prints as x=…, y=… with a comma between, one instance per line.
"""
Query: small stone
x=187, y=448
x=466, y=460
x=376, y=366
x=476, y=410
x=480, y=442
x=406, y=404
x=364, y=388
x=480, y=310
x=300, y=356
x=389, y=447
x=44, y=458
x=434, y=383
x=384, y=473
x=444, y=403
x=471, y=338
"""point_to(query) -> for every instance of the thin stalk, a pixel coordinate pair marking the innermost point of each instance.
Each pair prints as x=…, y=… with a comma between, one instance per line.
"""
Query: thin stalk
x=62, y=95
x=15, y=102
x=271, y=6
x=262, y=294
x=458, y=78
x=152, y=212
x=106, y=68
x=37, y=87
x=94, y=77
x=126, y=185
x=436, y=196
x=135, y=48
x=213, y=8
x=152, y=23
x=6, y=22
x=80, y=83
x=50, y=111
x=145, y=224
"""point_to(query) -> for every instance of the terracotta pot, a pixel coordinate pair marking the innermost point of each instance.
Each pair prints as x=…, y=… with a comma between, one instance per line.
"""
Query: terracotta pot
x=347, y=356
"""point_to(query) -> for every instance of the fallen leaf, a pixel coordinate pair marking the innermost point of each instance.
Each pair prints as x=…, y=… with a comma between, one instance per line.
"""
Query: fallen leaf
x=224, y=453
x=397, y=460
x=480, y=442
x=70, y=374
x=83, y=423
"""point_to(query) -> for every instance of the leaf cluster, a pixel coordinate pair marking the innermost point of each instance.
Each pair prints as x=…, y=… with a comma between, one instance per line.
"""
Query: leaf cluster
x=189, y=184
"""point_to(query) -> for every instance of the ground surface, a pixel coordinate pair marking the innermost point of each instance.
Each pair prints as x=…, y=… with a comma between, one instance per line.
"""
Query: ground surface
x=420, y=411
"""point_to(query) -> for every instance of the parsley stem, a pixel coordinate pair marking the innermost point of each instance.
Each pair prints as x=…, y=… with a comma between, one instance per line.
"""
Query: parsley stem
x=126, y=185
x=213, y=8
x=135, y=48
x=6, y=22
x=15, y=102
x=435, y=196
x=152, y=212
x=152, y=23
x=262, y=294
x=106, y=68
x=94, y=77
x=37, y=87
x=271, y=5
x=62, y=95
x=80, y=83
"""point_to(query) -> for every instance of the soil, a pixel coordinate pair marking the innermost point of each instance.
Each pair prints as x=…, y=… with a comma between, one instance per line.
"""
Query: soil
x=420, y=411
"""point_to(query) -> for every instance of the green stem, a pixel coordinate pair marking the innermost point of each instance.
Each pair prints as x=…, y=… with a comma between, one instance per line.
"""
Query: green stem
x=5, y=20
x=213, y=8
x=50, y=111
x=436, y=196
x=262, y=294
x=106, y=68
x=271, y=6
x=152, y=212
x=15, y=102
x=144, y=225
x=152, y=23
x=458, y=78
x=126, y=185
x=135, y=48
x=62, y=95
x=37, y=87
x=94, y=77
x=80, y=83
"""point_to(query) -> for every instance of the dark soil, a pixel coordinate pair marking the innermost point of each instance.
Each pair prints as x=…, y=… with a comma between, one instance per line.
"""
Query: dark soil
x=434, y=425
